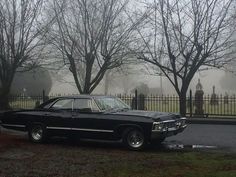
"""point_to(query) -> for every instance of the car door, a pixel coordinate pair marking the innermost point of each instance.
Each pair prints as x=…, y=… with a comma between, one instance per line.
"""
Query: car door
x=59, y=117
x=88, y=122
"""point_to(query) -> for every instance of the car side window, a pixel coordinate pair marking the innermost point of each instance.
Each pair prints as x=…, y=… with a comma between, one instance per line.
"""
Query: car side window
x=85, y=105
x=64, y=104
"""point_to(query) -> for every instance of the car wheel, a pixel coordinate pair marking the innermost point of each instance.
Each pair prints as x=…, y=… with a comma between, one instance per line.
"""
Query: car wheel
x=134, y=139
x=37, y=133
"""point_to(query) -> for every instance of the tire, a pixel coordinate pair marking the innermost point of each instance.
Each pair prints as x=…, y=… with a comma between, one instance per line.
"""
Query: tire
x=134, y=139
x=37, y=133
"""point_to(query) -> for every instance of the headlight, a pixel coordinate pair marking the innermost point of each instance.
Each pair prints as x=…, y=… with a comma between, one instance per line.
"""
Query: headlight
x=178, y=123
x=183, y=122
x=157, y=126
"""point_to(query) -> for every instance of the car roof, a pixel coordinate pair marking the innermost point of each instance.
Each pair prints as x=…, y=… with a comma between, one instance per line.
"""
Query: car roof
x=85, y=96
x=73, y=97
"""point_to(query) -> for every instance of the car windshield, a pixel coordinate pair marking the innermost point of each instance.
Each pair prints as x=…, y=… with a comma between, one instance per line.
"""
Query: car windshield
x=111, y=103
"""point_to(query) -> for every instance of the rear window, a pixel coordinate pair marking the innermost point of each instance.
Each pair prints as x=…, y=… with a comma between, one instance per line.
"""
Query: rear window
x=63, y=104
x=47, y=104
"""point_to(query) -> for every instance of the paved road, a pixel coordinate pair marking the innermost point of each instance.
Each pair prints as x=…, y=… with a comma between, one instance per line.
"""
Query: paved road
x=222, y=136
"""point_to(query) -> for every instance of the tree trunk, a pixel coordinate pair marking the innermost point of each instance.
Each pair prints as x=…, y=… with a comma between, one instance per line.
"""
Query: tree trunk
x=182, y=103
x=89, y=66
x=5, y=91
x=86, y=92
x=106, y=83
x=4, y=99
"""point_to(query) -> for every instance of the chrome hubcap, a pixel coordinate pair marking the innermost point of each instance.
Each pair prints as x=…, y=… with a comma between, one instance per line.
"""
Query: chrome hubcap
x=37, y=133
x=135, y=139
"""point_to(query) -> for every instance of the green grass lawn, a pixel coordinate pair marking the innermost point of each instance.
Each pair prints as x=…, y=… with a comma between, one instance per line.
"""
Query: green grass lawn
x=23, y=104
x=20, y=158
x=90, y=162
x=172, y=164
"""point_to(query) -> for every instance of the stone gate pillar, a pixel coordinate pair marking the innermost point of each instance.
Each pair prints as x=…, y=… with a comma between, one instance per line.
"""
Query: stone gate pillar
x=199, y=99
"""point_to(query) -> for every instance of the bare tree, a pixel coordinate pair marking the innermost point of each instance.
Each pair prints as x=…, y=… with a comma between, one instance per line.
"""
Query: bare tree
x=20, y=41
x=187, y=36
x=93, y=37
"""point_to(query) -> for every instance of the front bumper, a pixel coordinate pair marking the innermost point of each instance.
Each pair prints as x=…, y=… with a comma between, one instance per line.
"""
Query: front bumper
x=168, y=128
x=156, y=135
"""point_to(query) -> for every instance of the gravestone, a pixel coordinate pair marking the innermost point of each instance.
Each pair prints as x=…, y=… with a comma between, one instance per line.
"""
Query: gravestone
x=199, y=99
x=37, y=103
x=141, y=102
x=226, y=98
x=214, y=98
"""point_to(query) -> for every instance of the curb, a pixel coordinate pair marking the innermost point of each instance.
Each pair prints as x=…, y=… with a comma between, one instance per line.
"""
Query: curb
x=215, y=121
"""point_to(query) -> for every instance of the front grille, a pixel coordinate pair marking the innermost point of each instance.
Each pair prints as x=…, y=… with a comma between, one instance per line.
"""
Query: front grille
x=170, y=124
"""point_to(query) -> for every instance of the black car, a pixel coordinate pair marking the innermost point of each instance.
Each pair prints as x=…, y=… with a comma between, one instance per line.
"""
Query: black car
x=94, y=117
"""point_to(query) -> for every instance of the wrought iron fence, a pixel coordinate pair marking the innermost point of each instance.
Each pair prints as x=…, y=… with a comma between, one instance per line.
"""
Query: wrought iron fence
x=165, y=103
x=222, y=106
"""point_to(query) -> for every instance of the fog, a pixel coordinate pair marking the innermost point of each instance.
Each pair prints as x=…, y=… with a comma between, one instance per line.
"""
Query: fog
x=223, y=82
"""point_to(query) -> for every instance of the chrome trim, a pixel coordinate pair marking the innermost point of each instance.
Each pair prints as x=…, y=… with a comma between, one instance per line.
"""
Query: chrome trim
x=155, y=123
x=92, y=130
x=59, y=128
x=167, y=121
x=184, y=126
x=168, y=129
x=80, y=129
x=37, y=133
x=135, y=139
x=14, y=125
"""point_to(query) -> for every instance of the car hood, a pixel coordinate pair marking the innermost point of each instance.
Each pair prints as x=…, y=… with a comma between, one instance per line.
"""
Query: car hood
x=157, y=116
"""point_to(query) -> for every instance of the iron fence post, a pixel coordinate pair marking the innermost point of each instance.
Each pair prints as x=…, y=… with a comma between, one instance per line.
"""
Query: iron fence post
x=136, y=99
x=191, y=105
x=44, y=96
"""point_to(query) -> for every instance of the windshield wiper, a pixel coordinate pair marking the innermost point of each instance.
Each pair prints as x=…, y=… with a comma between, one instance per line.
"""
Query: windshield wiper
x=125, y=109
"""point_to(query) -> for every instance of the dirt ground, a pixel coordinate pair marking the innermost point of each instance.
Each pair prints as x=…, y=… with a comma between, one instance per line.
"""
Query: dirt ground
x=61, y=157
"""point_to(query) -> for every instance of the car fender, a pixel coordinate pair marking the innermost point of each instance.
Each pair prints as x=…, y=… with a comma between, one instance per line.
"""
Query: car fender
x=30, y=123
x=1, y=115
x=119, y=130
